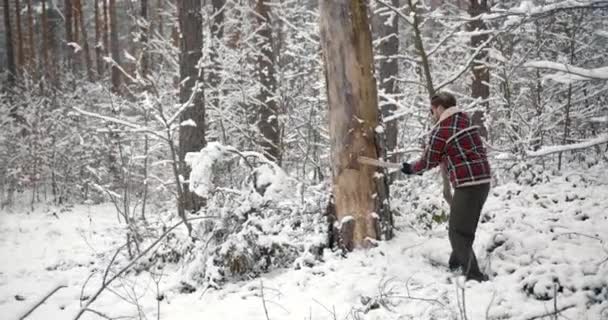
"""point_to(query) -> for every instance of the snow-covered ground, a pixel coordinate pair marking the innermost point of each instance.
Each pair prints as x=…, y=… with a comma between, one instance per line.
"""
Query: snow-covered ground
x=534, y=242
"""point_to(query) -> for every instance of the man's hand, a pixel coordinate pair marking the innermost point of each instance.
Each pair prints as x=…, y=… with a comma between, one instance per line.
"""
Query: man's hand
x=406, y=168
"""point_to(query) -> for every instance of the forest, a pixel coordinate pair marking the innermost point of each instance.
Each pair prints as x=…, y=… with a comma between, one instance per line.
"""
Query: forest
x=263, y=159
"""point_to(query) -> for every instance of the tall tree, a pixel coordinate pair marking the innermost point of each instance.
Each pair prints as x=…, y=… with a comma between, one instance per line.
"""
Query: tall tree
x=268, y=114
x=353, y=115
x=69, y=36
x=217, y=33
x=31, y=56
x=106, y=29
x=20, y=50
x=10, y=53
x=144, y=25
x=85, y=39
x=191, y=138
x=481, y=73
x=45, y=41
x=114, y=47
x=430, y=87
x=98, y=44
x=388, y=31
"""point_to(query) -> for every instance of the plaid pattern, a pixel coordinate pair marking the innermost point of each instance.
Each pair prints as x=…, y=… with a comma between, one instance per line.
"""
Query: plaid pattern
x=459, y=147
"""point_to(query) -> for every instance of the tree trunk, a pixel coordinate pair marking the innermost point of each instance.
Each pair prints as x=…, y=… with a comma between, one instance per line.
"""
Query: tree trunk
x=144, y=38
x=267, y=121
x=217, y=34
x=45, y=41
x=426, y=66
x=32, y=49
x=353, y=115
x=85, y=40
x=98, y=45
x=69, y=37
x=481, y=73
x=10, y=57
x=114, y=47
x=389, y=70
x=191, y=139
x=20, y=51
x=106, y=30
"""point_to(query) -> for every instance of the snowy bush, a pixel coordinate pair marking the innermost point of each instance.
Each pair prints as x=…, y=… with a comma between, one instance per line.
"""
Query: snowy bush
x=529, y=173
x=266, y=221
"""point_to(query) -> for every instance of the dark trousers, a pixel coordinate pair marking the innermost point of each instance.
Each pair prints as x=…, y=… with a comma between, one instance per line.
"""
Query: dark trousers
x=464, y=216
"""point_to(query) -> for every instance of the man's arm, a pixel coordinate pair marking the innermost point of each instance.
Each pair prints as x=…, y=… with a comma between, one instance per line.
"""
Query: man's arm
x=431, y=156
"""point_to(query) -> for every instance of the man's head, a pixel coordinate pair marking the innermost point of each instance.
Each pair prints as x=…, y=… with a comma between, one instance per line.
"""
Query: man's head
x=440, y=102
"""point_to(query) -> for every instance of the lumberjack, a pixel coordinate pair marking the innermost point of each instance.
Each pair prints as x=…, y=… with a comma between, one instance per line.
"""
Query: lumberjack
x=456, y=145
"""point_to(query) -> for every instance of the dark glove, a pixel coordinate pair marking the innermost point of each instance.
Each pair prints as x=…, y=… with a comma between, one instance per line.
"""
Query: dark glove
x=406, y=168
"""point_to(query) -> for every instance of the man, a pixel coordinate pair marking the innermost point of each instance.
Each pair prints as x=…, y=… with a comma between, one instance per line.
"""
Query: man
x=456, y=144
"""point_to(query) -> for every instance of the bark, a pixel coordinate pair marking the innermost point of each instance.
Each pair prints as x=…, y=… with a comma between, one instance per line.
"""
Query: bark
x=144, y=38
x=267, y=121
x=10, y=57
x=481, y=73
x=114, y=47
x=85, y=40
x=160, y=7
x=353, y=115
x=389, y=70
x=217, y=34
x=191, y=139
x=98, y=45
x=45, y=40
x=20, y=51
x=69, y=37
x=30, y=28
x=419, y=44
x=106, y=28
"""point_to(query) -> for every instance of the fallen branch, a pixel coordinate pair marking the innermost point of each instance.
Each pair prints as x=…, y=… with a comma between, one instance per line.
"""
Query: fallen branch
x=128, y=266
x=584, y=74
x=549, y=314
x=52, y=292
x=544, y=151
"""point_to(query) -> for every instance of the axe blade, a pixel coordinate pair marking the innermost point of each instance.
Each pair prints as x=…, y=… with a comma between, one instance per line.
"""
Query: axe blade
x=379, y=163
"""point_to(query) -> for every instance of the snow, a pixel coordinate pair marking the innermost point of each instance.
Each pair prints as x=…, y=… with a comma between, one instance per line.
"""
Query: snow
x=188, y=123
x=202, y=164
x=601, y=139
x=530, y=240
x=575, y=73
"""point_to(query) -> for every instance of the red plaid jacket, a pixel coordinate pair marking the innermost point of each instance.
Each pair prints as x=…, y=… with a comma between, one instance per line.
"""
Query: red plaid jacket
x=458, y=145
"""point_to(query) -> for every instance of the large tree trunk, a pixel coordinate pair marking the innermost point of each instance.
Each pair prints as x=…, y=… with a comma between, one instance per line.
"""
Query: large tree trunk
x=10, y=56
x=389, y=70
x=106, y=30
x=85, y=40
x=98, y=44
x=144, y=38
x=353, y=114
x=69, y=35
x=31, y=56
x=45, y=41
x=114, y=47
x=268, y=122
x=20, y=51
x=191, y=139
x=217, y=34
x=481, y=74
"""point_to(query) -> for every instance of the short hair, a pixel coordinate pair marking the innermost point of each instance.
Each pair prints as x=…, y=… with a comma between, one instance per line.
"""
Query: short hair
x=443, y=99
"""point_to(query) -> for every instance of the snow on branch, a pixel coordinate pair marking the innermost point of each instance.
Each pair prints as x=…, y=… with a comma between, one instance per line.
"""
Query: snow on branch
x=570, y=147
x=583, y=74
x=135, y=127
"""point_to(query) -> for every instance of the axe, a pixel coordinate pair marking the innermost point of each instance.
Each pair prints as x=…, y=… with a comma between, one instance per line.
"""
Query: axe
x=379, y=163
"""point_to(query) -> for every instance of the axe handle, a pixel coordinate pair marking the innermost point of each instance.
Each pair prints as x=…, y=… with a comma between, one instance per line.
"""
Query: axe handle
x=379, y=163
